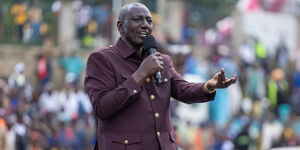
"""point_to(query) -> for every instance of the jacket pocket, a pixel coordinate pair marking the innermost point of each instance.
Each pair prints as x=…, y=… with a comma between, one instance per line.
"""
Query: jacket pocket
x=172, y=136
x=122, y=142
x=173, y=145
x=127, y=139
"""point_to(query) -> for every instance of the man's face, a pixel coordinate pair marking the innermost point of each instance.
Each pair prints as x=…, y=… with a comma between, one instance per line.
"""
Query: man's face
x=136, y=25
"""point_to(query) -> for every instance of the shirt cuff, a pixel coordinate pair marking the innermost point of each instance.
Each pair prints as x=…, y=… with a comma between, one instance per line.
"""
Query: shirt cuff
x=133, y=87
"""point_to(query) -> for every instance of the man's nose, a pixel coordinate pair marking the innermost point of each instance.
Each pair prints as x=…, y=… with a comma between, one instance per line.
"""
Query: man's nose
x=145, y=24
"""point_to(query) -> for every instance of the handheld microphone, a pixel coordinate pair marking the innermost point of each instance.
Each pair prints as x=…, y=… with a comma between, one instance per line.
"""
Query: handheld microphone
x=150, y=47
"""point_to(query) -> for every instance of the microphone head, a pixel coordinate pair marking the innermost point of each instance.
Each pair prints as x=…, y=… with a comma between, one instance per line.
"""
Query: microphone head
x=149, y=42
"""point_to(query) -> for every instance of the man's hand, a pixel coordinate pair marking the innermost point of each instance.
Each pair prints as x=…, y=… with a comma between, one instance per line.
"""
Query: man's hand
x=219, y=81
x=152, y=64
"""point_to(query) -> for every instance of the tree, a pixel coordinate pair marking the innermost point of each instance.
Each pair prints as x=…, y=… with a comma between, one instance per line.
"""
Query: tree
x=205, y=13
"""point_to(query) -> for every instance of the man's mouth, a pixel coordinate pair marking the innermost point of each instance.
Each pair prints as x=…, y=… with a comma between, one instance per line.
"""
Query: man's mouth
x=143, y=33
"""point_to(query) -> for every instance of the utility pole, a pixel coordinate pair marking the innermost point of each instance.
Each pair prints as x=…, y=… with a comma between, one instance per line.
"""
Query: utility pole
x=161, y=12
x=66, y=27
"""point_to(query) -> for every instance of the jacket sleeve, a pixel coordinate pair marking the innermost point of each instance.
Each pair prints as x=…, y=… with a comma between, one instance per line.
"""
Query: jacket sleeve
x=185, y=91
x=107, y=98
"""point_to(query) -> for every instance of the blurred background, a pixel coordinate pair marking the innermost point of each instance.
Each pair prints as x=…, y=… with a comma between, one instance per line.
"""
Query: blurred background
x=44, y=45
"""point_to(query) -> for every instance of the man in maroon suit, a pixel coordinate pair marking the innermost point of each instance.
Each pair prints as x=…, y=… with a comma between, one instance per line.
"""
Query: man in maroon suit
x=132, y=111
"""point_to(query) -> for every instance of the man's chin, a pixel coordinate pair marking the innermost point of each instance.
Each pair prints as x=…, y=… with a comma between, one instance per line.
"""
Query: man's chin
x=138, y=44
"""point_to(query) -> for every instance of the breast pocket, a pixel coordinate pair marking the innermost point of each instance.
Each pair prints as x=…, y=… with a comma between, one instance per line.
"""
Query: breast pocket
x=122, y=142
x=164, y=88
x=121, y=77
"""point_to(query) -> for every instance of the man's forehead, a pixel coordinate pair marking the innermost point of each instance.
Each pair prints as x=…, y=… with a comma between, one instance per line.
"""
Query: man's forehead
x=136, y=5
x=133, y=9
x=138, y=10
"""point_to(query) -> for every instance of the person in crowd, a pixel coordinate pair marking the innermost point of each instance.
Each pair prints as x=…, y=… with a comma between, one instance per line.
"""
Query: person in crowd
x=132, y=110
x=49, y=101
x=282, y=55
x=43, y=69
x=278, y=88
x=35, y=18
x=18, y=81
x=18, y=10
x=73, y=66
x=271, y=130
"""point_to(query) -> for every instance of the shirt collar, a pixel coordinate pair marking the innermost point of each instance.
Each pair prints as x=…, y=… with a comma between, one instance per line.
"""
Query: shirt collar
x=123, y=49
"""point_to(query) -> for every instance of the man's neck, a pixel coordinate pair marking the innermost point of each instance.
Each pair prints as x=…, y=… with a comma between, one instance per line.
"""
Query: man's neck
x=137, y=49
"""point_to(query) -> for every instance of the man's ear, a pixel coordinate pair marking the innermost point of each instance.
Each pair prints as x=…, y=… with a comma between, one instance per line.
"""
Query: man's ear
x=120, y=26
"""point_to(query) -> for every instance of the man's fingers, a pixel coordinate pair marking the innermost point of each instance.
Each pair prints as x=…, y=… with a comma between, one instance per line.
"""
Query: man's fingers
x=160, y=58
x=227, y=82
x=220, y=78
x=230, y=81
x=157, y=54
x=222, y=74
x=161, y=64
x=222, y=81
x=234, y=79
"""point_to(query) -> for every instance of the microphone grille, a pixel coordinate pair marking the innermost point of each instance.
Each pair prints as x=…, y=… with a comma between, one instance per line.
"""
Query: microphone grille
x=149, y=42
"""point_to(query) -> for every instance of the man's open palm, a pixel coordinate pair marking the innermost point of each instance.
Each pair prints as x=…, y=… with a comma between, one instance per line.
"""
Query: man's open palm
x=219, y=81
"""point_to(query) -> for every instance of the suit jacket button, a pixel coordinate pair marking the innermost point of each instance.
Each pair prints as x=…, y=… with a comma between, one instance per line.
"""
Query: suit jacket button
x=148, y=79
x=125, y=141
x=152, y=97
x=158, y=133
x=134, y=91
x=166, y=80
x=156, y=115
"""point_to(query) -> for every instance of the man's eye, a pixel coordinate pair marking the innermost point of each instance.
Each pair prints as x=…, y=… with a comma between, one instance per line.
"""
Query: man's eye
x=150, y=21
x=136, y=19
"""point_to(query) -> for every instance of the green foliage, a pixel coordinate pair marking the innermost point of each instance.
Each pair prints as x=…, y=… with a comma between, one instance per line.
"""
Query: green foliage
x=8, y=34
x=205, y=13
x=49, y=17
x=8, y=23
x=151, y=4
x=98, y=2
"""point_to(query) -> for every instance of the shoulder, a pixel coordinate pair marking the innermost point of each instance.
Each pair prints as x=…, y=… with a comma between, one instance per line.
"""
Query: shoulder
x=105, y=52
x=100, y=56
x=102, y=51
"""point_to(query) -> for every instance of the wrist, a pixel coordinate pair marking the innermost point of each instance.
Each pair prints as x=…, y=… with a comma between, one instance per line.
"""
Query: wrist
x=208, y=88
x=139, y=77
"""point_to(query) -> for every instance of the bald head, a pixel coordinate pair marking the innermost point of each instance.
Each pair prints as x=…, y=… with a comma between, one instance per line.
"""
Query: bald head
x=126, y=9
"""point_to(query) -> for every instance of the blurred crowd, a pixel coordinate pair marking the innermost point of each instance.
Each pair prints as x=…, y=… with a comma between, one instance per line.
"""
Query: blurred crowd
x=45, y=116
x=29, y=25
x=259, y=112
x=33, y=22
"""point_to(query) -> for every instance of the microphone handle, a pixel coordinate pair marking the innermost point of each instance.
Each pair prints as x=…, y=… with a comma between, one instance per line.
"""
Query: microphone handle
x=157, y=76
x=152, y=51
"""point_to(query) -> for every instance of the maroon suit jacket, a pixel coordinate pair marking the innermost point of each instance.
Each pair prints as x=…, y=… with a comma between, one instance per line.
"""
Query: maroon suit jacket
x=129, y=116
